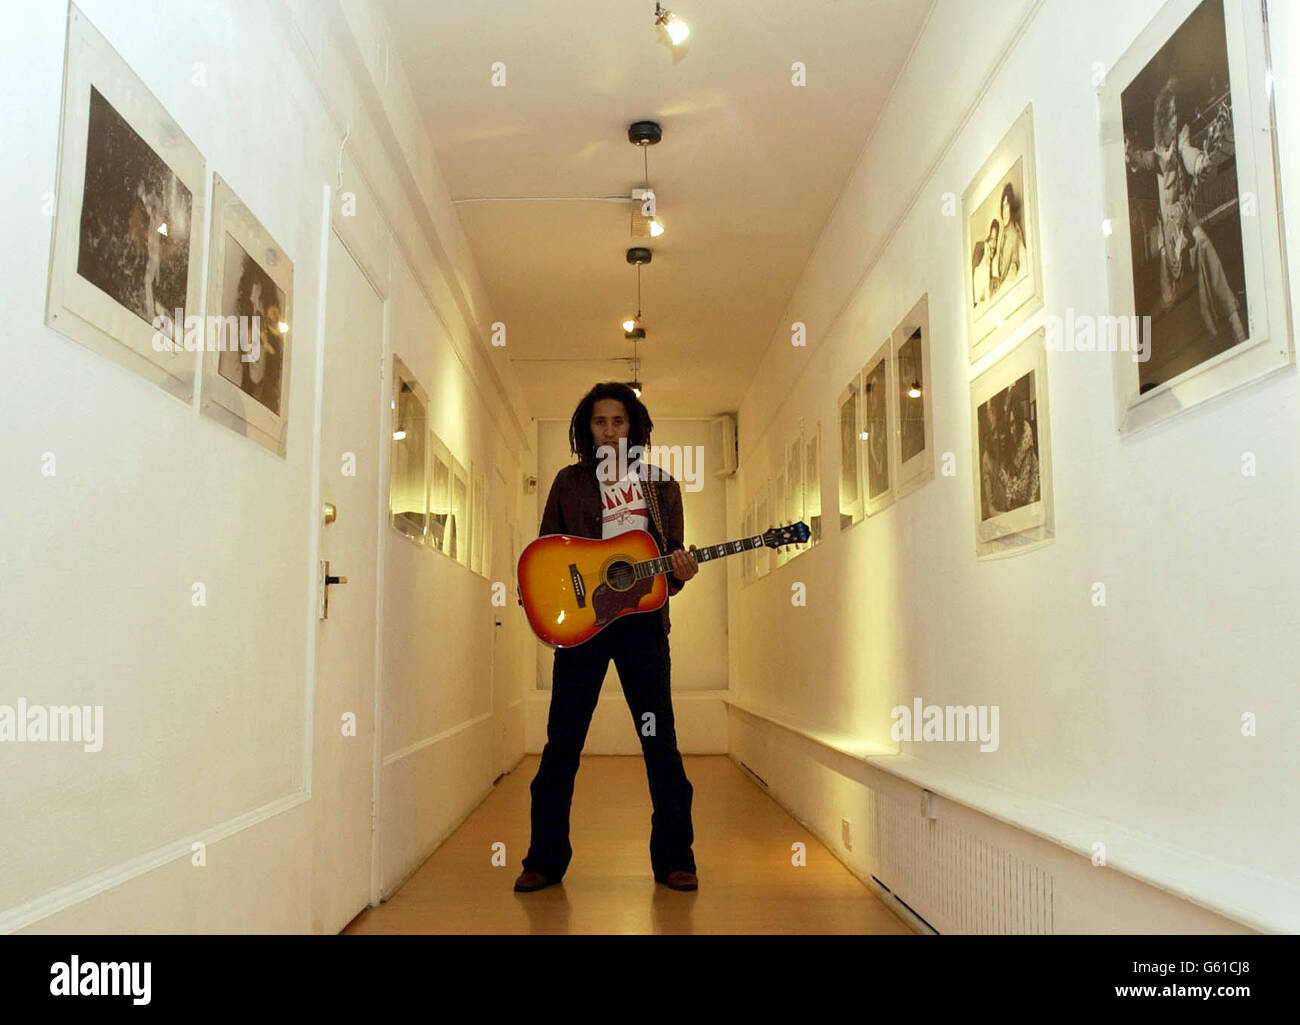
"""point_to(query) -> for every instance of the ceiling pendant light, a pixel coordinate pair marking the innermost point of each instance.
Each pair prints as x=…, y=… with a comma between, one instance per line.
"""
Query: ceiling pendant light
x=677, y=29
x=632, y=328
x=914, y=392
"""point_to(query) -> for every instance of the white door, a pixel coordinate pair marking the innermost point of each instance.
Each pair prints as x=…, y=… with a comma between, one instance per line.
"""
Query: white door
x=342, y=760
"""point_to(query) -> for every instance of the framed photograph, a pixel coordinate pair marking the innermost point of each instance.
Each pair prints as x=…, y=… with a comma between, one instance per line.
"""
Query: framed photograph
x=127, y=255
x=779, y=555
x=1012, y=452
x=1198, y=275
x=439, y=532
x=408, y=469
x=762, y=558
x=813, y=483
x=1003, y=278
x=910, y=348
x=850, y=431
x=460, y=529
x=878, y=389
x=794, y=474
x=747, y=530
x=250, y=291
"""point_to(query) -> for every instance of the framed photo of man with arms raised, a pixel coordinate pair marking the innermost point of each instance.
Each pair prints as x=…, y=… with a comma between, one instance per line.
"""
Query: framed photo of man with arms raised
x=1197, y=268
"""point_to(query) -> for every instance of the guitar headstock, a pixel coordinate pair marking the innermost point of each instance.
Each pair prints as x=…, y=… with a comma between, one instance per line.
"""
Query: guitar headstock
x=791, y=534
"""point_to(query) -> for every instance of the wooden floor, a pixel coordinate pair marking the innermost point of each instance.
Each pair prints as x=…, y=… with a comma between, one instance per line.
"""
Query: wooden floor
x=742, y=853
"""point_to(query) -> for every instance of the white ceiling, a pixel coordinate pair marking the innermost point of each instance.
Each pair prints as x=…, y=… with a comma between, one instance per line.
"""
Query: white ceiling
x=746, y=175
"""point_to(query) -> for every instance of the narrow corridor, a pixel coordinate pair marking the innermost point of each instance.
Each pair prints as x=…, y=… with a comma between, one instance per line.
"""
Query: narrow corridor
x=743, y=848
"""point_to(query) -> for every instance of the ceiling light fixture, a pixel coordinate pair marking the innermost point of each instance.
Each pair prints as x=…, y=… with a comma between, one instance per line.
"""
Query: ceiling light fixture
x=645, y=219
x=677, y=29
x=638, y=255
x=914, y=392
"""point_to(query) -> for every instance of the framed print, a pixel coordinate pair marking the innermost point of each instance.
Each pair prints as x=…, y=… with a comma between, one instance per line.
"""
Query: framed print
x=1198, y=278
x=878, y=431
x=910, y=348
x=747, y=530
x=762, y=559
x=408, y=464
x=460, y=527
x=250, y=291
x=1012, y=452
x=779, y=555
x=127, y=255
x=794, y=475
x=439, y=532
x=849, y=433
x=1003, y=278
x=813, y=483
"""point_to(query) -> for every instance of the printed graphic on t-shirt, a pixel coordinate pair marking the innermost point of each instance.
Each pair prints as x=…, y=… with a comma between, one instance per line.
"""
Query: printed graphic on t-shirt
x=624, y=508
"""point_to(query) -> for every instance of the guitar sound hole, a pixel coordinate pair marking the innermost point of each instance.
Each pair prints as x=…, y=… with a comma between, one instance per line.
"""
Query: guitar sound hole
x=620, y=576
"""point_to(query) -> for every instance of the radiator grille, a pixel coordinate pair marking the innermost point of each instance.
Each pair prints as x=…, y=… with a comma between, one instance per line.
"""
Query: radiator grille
x=955, y=880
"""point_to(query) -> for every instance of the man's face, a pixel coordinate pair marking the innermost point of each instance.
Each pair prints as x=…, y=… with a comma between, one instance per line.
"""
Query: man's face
x=608, y=423
x=991, y=243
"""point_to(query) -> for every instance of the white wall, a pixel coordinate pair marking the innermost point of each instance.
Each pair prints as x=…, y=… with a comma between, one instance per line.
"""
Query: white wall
x=207, y=710
x=1127, y=715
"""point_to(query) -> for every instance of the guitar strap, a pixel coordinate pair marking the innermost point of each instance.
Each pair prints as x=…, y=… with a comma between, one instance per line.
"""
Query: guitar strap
x=652, y=500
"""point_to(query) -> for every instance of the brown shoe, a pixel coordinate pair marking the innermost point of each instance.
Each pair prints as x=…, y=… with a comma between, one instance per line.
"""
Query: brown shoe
x=682, y=881
x=529, y=881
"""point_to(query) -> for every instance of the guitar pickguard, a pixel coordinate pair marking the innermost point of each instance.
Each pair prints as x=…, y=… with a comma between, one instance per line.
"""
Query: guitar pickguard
x=607, y=602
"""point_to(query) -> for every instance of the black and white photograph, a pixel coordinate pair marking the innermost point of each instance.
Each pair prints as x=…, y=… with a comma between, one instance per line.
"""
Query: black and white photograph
x=849, y=431
x=1003, y=270
x=1191, y=208
x=999, y=258
x=1008, y=447
x=1011, y=451
x=1184, y=207
x=135, y=221
x=910, y=346
x=126, y=270
x=250, y=294
x=875, y=401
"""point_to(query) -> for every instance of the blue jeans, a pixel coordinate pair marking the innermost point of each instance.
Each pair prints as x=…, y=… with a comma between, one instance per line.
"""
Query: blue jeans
x=639, y=648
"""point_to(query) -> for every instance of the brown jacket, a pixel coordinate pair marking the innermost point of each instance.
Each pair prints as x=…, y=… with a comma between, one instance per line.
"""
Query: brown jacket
x=574, y=508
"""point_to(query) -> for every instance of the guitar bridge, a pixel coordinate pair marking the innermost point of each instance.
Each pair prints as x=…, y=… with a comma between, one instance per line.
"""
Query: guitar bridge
x=579, y=588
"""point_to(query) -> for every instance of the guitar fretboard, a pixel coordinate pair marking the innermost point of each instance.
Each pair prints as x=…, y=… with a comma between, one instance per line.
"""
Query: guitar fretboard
x=664, y=564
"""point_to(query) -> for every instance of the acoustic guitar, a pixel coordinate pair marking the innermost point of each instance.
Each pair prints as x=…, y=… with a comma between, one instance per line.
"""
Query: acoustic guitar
x=573, y=587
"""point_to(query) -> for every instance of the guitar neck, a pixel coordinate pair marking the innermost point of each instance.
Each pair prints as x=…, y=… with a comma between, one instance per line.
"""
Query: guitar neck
x=664, y=564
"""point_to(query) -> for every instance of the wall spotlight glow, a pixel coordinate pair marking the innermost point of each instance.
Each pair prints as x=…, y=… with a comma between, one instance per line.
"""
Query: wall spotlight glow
x=399, y=435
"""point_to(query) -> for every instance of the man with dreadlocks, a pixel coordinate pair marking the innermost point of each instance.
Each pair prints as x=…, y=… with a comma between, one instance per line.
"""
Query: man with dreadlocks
x=609, y=421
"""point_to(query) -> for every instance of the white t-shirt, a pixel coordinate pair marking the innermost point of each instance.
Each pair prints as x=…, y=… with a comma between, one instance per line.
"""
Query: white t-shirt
x=624, y=508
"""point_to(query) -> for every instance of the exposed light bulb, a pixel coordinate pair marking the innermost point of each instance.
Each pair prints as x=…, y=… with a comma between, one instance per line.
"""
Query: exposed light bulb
x=656, y=229
x=914, y=392
x=283, y=327
x=399, y=435
x=863, y=435
x=629, y=325
x=677, y=29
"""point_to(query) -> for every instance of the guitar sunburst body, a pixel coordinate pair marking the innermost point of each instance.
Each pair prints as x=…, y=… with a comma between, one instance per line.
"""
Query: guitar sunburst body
x=572, y=587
